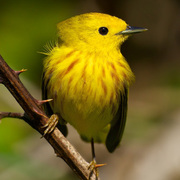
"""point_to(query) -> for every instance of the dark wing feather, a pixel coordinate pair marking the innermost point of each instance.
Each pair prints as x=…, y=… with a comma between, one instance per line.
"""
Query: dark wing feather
x=47, y=107
x=117, y=126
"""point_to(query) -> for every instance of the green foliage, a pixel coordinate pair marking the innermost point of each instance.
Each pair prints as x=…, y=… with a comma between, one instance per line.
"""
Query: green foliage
x=26, y=26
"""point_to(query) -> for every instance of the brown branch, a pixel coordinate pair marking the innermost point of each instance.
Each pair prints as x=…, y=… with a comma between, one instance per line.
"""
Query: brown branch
x=36, y=117
x=12, y=115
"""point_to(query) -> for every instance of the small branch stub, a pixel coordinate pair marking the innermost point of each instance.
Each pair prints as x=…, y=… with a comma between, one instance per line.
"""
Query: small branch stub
x=11, y=115
x=44, y=101
x=21, y=71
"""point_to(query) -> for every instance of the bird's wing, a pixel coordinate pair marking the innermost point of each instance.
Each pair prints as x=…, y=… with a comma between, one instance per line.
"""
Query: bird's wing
x=47, y=107
x=117, y=126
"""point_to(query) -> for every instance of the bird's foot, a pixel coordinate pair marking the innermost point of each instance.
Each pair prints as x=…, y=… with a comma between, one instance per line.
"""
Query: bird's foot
x=51, y=124
x=93, y=166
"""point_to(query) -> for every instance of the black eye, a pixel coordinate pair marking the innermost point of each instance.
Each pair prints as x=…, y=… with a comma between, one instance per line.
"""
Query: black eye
x=103, y=30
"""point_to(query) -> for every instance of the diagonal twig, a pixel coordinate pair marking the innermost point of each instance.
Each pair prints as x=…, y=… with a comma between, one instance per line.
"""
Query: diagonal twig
x=36, y=118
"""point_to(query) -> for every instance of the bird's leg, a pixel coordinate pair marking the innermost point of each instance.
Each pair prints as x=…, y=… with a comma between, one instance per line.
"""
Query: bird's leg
x=93, y=165
x=51, y=124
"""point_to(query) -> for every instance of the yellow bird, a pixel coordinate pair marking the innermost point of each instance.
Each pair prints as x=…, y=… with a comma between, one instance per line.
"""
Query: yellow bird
x=88, y=78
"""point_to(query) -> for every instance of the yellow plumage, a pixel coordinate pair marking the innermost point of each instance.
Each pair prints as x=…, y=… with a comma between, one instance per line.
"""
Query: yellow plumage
x=88, y=78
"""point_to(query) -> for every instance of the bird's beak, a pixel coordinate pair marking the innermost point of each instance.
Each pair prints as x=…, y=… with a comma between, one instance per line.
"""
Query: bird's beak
x=132, y=30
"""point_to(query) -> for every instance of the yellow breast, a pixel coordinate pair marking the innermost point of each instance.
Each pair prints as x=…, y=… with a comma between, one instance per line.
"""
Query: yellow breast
x=85, y=87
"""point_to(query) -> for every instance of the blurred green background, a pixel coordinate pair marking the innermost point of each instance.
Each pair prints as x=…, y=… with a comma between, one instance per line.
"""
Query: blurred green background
x=154, y=56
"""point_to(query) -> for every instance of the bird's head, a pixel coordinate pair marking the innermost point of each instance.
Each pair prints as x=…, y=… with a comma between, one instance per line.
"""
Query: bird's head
x=95, y=32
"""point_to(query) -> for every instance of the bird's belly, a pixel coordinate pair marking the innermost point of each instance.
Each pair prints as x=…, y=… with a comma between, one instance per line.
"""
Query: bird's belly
x=87, y=120
x=86, y=107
